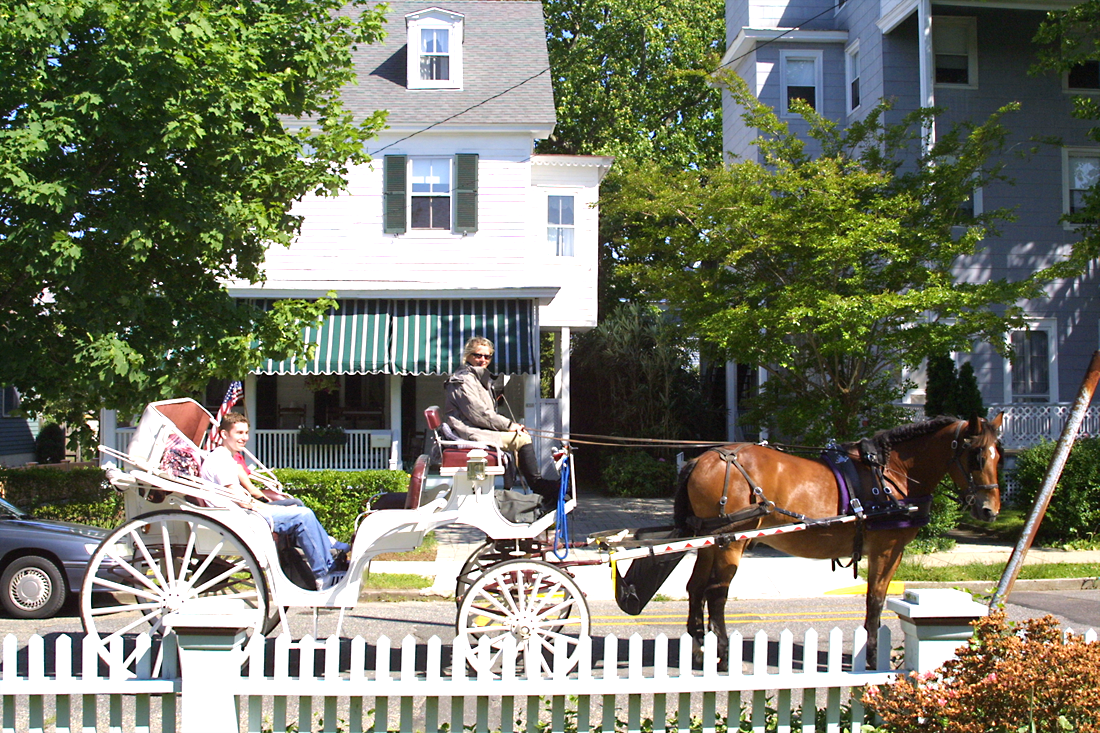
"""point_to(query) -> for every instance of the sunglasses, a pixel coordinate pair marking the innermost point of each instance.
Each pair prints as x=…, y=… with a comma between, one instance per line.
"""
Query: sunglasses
x=482, y=356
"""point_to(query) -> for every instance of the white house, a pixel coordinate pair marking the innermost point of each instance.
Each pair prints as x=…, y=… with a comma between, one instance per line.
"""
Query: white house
x=456, y=228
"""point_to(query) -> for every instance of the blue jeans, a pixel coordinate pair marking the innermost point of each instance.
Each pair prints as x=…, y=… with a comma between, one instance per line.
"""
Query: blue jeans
x=301, y=525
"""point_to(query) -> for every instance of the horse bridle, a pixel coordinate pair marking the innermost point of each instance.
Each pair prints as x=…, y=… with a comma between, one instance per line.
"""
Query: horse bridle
x=965, y=446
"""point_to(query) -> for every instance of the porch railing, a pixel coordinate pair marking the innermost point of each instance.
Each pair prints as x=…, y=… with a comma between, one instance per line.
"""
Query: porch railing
x=365, y=449
x=1026, y=424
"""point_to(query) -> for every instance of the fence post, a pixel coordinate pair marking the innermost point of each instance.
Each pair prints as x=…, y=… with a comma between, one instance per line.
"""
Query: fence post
x=210, y=656
x=936, y=622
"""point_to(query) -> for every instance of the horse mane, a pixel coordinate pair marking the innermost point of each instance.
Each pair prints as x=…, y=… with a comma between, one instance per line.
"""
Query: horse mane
x=885, y=440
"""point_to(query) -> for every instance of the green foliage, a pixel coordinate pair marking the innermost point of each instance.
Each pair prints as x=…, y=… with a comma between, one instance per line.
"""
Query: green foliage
x=830, y=271
x=633, y=472
x=945, y=515
x=1074, y=510
x=631, y=80
x=144, y=162
x=951, y=392
x=338, y=497
x=78, y=495
x=49, y=444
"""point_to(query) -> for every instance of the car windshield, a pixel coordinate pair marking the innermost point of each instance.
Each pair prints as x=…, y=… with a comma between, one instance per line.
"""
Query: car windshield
x=7, y=509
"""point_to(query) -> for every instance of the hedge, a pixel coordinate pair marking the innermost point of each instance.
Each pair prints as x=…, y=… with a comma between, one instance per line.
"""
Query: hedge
x=83, y=495
x=1074, y=511
x=338, y=497
x=80, y=495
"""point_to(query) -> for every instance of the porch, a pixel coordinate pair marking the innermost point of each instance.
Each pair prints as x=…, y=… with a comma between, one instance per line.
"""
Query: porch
x=1029, y=423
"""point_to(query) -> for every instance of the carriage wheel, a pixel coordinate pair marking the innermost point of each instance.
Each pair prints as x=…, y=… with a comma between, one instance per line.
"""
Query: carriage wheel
x=488, y=554
x=158, y=563
x=525, y=600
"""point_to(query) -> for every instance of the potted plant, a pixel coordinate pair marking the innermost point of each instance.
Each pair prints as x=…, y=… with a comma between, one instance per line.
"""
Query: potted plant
x=327, y=435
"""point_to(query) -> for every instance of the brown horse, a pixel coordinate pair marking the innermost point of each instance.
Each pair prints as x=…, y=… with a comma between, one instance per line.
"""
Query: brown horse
x=913, y=459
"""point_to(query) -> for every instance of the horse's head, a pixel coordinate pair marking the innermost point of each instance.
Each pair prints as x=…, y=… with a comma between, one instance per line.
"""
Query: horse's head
x=974, y=467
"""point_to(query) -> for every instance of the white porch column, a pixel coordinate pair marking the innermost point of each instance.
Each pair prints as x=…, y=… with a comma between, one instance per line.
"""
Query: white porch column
x=250, y=410
x=108, y=424
x=926, y=63
x=394, y=381
x=561, y=379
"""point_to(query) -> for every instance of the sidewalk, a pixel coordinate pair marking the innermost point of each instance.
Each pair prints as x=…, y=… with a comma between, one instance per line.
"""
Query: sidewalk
x=764, y=572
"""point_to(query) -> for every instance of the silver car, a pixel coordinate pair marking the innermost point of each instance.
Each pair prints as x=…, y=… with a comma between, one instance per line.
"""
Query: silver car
x=41, y=561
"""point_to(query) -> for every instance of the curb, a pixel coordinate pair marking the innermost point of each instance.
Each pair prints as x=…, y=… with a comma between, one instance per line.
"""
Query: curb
x=987, y=586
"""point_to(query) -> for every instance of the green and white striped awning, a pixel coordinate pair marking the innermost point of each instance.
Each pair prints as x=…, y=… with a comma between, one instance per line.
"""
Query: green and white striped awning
x=428, y=335
x=416, y=337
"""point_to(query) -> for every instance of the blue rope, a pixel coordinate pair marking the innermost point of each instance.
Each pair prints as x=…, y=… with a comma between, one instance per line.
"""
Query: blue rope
x=561, y=532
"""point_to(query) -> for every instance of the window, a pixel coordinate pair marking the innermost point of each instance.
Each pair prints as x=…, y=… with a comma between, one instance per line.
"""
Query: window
x=430, y=193
x=1031, y=366
x=955, y=46
x=852, y=73
x=435, y=60
x=434, y=49
x=1084, y=77
x=9, y=401
x=559, y=229
x=1081, y=171
x=799, y=78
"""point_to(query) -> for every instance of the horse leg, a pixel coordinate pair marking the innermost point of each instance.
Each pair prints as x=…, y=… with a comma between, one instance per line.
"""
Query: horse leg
x=883, y=558
x=725, y=567
x=696, y=587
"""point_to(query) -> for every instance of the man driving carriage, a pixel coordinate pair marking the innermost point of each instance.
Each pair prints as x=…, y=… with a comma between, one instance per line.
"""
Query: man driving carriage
x=299, y=523
x=471, y=413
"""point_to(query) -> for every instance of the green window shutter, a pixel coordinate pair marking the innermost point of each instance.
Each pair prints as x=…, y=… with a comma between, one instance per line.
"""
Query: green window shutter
x=465, y=193
x=393, y=194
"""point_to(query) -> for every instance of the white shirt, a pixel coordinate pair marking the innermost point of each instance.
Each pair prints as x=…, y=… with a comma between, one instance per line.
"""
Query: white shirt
x=220, y=468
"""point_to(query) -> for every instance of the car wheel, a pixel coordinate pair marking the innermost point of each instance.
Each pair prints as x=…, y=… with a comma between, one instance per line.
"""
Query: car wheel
x=33, y=587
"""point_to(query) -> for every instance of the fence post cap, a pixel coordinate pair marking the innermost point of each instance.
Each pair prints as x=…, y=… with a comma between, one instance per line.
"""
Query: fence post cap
x=937, y=603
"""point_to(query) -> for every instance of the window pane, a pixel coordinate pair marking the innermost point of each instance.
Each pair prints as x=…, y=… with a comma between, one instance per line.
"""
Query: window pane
x=560, y=210
x=431, y=175
x=950, y=39
x=431, y=212
x=806, y=94
x=1031, y=365
x=561, y=239
x=855, y=93
x=434, y=40
x=435, y=68
x=800, y=73
x=1084, y=171
x=1085, y=76
x=952, y=69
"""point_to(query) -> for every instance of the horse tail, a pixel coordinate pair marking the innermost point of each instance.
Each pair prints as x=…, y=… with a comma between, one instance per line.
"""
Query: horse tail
x=682, y=512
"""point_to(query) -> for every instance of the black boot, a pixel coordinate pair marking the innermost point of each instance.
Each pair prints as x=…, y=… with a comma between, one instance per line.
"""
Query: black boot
x=529, y=467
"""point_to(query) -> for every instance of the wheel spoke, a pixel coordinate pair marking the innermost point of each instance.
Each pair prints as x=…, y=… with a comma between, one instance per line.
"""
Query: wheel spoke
x=138, y=592
x=140, y=544
x=123, y=608
x=233, y=570
x=169, y=567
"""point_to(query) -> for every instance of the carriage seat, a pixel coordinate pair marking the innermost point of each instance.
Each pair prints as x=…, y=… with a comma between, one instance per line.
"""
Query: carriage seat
x=406, y=499
x=448, y=451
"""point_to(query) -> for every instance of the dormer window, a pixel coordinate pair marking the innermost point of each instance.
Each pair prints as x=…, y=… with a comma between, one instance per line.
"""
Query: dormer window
x=435, y=49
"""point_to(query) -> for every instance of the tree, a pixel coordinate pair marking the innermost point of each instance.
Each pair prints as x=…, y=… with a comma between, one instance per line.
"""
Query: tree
x=832, y=272
x=950, y=391
x=631, y=80
x=144, y=163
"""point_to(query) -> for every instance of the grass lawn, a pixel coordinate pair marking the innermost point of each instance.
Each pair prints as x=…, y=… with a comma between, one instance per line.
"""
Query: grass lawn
x=426, y=551
x=395, y=581
x=914, y=571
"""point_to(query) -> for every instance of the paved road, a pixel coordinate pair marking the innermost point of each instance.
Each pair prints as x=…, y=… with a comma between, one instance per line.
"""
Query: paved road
x=424, y=619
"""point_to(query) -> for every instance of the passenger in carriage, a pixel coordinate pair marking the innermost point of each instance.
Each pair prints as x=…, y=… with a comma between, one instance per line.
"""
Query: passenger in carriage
x=471, y=412
x=297, y=522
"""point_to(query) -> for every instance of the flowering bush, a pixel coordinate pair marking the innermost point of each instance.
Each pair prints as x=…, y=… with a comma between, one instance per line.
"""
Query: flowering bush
x=1022, y=678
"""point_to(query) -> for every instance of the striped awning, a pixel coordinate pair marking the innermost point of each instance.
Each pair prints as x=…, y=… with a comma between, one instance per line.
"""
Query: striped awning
x=416, y=337
x=353, y=339
x=428, y=335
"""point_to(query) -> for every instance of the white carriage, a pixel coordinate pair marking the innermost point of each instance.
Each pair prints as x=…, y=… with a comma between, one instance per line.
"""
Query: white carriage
x=186, y=546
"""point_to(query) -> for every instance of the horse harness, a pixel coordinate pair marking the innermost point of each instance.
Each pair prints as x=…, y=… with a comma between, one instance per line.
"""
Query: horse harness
x=876, y=502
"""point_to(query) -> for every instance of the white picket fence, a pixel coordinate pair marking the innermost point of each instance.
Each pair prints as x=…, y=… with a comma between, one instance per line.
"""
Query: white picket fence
x=332, y=679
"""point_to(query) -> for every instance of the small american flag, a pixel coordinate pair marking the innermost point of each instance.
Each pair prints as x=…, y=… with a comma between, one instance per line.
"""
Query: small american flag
x=232, y=396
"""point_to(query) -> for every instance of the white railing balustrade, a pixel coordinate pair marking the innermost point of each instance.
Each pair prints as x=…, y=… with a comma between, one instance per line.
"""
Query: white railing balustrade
x=1028, y=424
x=365, y=449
